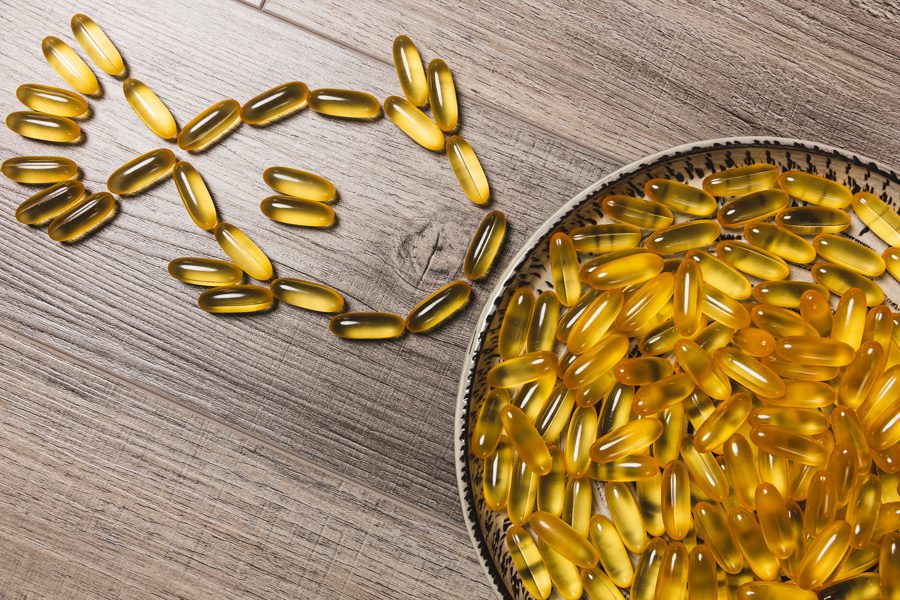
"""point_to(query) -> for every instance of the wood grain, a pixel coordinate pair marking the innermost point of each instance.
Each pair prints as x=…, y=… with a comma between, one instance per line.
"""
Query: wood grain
x=109, y=491
x=628, y=77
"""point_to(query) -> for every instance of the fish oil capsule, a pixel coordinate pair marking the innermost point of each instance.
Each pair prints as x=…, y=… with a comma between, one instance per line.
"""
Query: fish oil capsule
x=150, y=109
x=44, y=127
x=773, y=590
x=839, y=279
x=773, y=469
x=196, y=197
x=848, y=430
x=672, y=580
x=639, y=468
x=533, y=395
x=823, y=554
x=814, y=350
x=414, y=123
x=50, y=202
x=720, y=275
x=861, y=587
x=712, y=525
x=97, y=45
x=724, y=421
x=889, y=566
x=487, y=427
x=680, y=197
x=862, y=510
x=668, y=445
x=780, y=242
x=344, y=104
x=754, y=342
x=69, y=65
x=626, y=515
x=670, y=391
x=637, y=212
x=622, y=271
x=807, y=421
x=645, y=303
x=616, y=409
x=526, y=440
x=442, y=96
x=752, y=207
x=554, y=532
x=683, y=237
x=577, y=506
x=554, y=415
x=564, y=269
x=739, y=181
x=297, y=212
x=646, y=572
x=785, y=294
x=466, y=167
x=660, y=339
x=814, y=189
x=522, y=492
x=599, y=360
x=705, y=471
x=80, y=219
x=529, y=563
x=815, y=310
x=676, y=500
x=410, y=71
x=813, y=220
x=821, y=503
x=774, y=522
x=39, y=169
x=52, y=100
x=633, y=438
x=688, y=297
x=752, y=260
x=741, y=466
x=551, y=488
x=701, y=581
x=842, y=466
x=881, y=218
x=438, y=306
x=789, y=444
x=595, y=322
x=367, y=325
x=879, y=326
x=888, y=520
x=580, y=435
x=208, y=272
x=594, y=392
x=598, y=586
x=607, y=237
x=885, y=391
x=643, y=370
x=236, y=299
x=803, y=394
x=850, y=317
x=563, y=574
x=210, y=126
x=545, y=317
x=485, y=245
x=724, y=309
x=749, y=372
x=242, y=250
x=514, y=327
x=891, y=258
x=781, y=322
x=274, y=104
x=497, y=475
x=882, y=426
x=699, y=366
x=698, y=407
x=142, y=172
x=613, y=556
x=714, y=336
x=849, y=254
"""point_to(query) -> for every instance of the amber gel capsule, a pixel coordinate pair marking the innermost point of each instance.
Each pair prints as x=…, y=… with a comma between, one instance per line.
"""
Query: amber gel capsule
x=69, y=65
x=442, y=95
x=839, y=279
x=623, y=270
x=725, y=420
x=544, y=319
x=813, y=220
x=599, y=360
x=556, y=533
x=740, y=464
x=581, y=433
x=680, y=197
x=704, y=470
x=299, y=184
x=497, y=474
x=529, y=563
x=815, y=351
x=646, y=572
x=882, y=219
x=40, y=126
x=367, y=325
x=86, y=216
x=607, y=237
x=683, y=237
x=514, y=327
x=672, y=580
x=785, y=293
x=595, y=322
x=643, y=370
x=632, y=438
x=39, y=169
x=410, y=71
x=236, y=299
x=859, y=587
x=645, y=303
x=242, y=250
x=522, y=492
x=849, y=254
x=749, y=372
x=551, y=488
x=724, y=309
x=208, y=272
x=344, y=104
x=150, y=109
x=564, y=269
x=823, y=554
x=210, y=126
x=414, y=123
x=850, y=317
x=815, y=310
x=889, y=566
x=577, y=505
x=821, y=503
x=564, y=575
x=862, y=509
x=739, y=181
x=891, y=258
x=773, y=590
x=196, y=197
x=307, y=294
x=879, y=326
x=555, y=413
x=274, y=104
x=141, y=172
x=637, y=212
x=814, y=189
x=752, y=260
x=720, y=275
x=598, y=586
x=50, y=202
x=701, y=574
x=467, y=169
x=781, y=322
x=712, y=525
x=752, y=207
x=688, y=297
x=700, y=368
x=626, y=515
x=789, y=444
x=807, y=421
x=613, y=555
x=780, y=242
x=296, y=211
x=438, y=306
x=754, y=342
x=774, y=522
x=525, y=368
x=676, y=500
x=97, y=45
x=52, y=100
x=640, y=469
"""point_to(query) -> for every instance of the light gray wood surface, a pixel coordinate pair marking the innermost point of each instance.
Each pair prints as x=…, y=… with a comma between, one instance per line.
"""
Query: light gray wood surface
x=138, y=429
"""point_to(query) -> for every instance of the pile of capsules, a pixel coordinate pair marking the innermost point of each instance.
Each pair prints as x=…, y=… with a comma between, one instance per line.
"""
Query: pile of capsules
x=746, y=436
x=302, y=197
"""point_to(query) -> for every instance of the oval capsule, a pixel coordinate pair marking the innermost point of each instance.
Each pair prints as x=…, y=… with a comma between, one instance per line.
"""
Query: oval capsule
x=438, y=306
x=839, y=279
x=780, y=322
x=646, y=571
x=142, y=172
x=514, y=326
x=44, y=127
x=69, y=65
x=705, y=472
x=551, y=488
x=307, y=294
x=629, y=439
x=849, y=254
x=752, y=207
x=823, y=554
x=699, y=366
x=780, y=242
x=702, y=578
x=564, y=575
x=85, y=217
x=595, y=322
x=821, y=503
x=815, y=310
x=468, y=170
x=754, y=342
x=749, y=372
x=740, y=463
x=637, y=212
x=633, y=468
x=688, y=297
x=774, y=521
x=344, y=104
x=724, y=310
x=724, y=421
x=485, y=245
x=442, y=95
x=367, y=325
x=150, y=109
x=210, y=126
x=97, y=45
x=598, y=361
x=299, y=184
x=50, y=202
x=529, y=563
x=773, y=590
x=297, y=212
x=236, y=299
x=720, y=275
x=276, y=103
x=414, y=123
x=52, y=100
x=881, y=218
x=544, y=319
x=642, y=370
x=607, y=237
x=613, y=556
x=712, y=524
x=207, y=272
x=849, y=319
x=862, y=510
x=39, y=169
x=195, y=195
x=740, y=181
x=242, y=250
x=626, y=516
x=815, y=351
x=556, y=533
x=683, y=237
x=645, y=303
x=410, y=71
x=785, y=293
x=555, y=413
x=522, y=369
x=497, y=475
x=680, y=197
x=522, y=492
x=752, y=260
x=620, y=271
x=669, y=391
x=808, y=187
x=807, y=421
x=789, y=444
x=581, y=433
x=891, y=257
x=813, y=220
x=676, y=500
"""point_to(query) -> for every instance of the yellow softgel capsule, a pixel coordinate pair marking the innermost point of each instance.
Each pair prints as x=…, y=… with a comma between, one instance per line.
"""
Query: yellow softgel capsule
x=699, y=366
x=52, y=100
x=879, y=326
x=467, y=169
x=645, y=303
x=525, y=368
x=849, y=254
x=581, y=433
x=749, y=372
x=740, y=463
x=774, y=520
x=616, y=409
x=815, y=351
x=785, y=293
x=704, y=470
x=752, y=207
x=82, y=218
x=619, y=271
x=570, y=317
x=815, y=310
x=862, y=509
x=414, y=123
x=544, y=319
x=69, y=65
x=442, y=95
x=142, y=172
x=754, y=342
x=889, y=566
x=815, y=189
x=724, y=310
x=668, y=445
x=607, y=237
x=557, y=534
x=633, y=468
x=150, y=109
x=676, y=500
x=297, y=212
x=626, y=515
x=598, y=586
x=823, y=554
x=533, y=395
x=554, y=415
x=50, y=202
x=780, y=322
x=39, y=169
x=642, y=370
x=627, y=440
x=740, y=181
x=712, y=524
x=780, y=242
x=551, y=488
x=210, y=126
x=595, y=322
x=688, y=297
x=565, y=576
x=672, y=580
x=807, y=421
x=881, y=218
x=850, y=317
x=97, y=45
x=637, y=212
x=598, y=361
x=44, y=127
x=577, y=505
x=236, y=299
x=522, y=492
x=529, y=563
x=242, y=250
x=821, y=502
x=859, y=587
x=702, y=577
x=790, y=444
x=891, y=257
x=839, y=279
x=613, y=555
x=299, y=184
x=438, y=306
x=516, y=319
x=344, y=104
x=195, y=195
x=752, y=260
x=206, y=272
x=410, y=71
x=720, y=275
x=813, y=220
x=773, y=590
x=683, y=237
x=564, y=269
x=659, y=340
x=680, y=197
x=659, y=395
x=307, y=294
x=646, y=571
x=724, y=421
x=276, y=103
x=367, y=325
x=497, y=474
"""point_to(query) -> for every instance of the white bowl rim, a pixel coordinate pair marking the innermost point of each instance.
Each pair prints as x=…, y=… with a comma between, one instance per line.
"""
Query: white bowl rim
x=551, y=222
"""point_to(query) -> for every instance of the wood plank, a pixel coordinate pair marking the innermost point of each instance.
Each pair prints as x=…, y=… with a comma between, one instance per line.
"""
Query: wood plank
x=382, y=412
x=627, y=78
x=109, y=491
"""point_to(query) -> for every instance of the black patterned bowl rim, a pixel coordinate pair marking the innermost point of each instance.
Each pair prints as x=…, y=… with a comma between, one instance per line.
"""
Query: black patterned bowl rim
x=463, y=400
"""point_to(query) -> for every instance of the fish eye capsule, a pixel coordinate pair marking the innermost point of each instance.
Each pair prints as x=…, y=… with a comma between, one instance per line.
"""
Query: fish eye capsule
x=80, y=219
x=882, y=219
x=839, y=279
x=683, y=237
x=814, y=189
x=613, y=556
x=150, y=109
x=637, y=212
x=485, y=246
x=142, y=172
x=97, y=45
x=740, y=181
x=344, y=104
x=410, y=71
x=438, y=306
x=50, y=202
x=276, y=103
x=627, y=440
x=607, y=237
x=780, y=242
x=621, y=271
x=823, y=554
x=720, y=275
x=44, y=127
x=785, y=293
x=813, y=220
x=754, y=342
x=522, y=369
x=516, y=319
x=39, y=169
x=699, y=366
x=414, y=123
x=789, y=444
x=207, y=272
x=752, y=207
x=196, y=197
x=69, y=65
x=467, y=169
x=705, y=472
x=680, y=197
x=210, y=126
x=236, y=299
x=522, y=492
x=367, y=325
x=442, y=96
x=297, y=212
x=529, y=563
x=242, y=250
x=752, y=260
x=497, y=474
x=891, y=257
x=815, y=351
x=646, y=572
x=52, y=100
x=724, y=421
x=849, y=254
x=308, y=295
x=559, y=535
x=676, y=500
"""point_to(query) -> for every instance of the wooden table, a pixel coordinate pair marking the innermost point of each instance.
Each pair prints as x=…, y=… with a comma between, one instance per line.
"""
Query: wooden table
x=148, y=449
